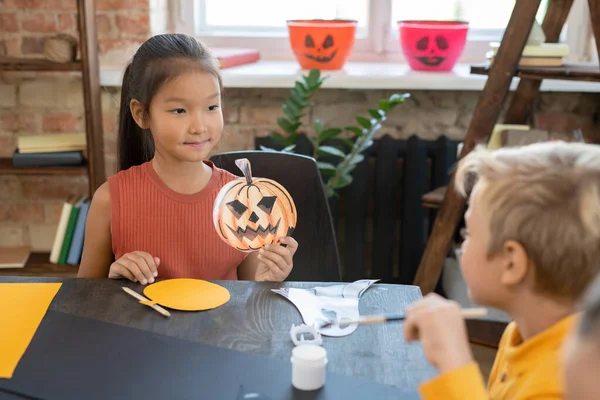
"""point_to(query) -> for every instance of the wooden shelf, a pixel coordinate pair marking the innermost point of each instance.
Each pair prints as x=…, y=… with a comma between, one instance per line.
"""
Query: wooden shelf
x=7, y=168
x=571, y=72
x=25, y=64
x=434, y=198
x=39, y=265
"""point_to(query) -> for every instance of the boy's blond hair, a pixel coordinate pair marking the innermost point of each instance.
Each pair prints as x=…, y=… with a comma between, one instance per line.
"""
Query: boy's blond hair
x=546, y=196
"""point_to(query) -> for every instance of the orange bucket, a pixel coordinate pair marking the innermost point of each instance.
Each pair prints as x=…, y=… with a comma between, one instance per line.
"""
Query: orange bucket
x=322, y=44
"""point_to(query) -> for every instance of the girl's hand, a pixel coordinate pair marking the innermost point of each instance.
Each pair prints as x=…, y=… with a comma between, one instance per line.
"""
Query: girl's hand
x=137, y=266
x=439, y=325
x=275, y=261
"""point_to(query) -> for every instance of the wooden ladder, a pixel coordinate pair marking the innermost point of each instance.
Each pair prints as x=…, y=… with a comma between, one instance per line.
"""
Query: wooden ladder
x=489, y=106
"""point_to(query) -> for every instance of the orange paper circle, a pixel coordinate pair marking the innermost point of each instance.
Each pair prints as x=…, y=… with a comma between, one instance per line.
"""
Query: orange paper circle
x=187, y=294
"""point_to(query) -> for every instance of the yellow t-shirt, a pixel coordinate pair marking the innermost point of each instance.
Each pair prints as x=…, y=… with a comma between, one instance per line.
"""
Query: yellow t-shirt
x=529, y=370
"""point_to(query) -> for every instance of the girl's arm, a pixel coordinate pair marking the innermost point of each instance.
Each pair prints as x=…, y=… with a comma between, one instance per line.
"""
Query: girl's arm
x=273, y=263
x=97, y=247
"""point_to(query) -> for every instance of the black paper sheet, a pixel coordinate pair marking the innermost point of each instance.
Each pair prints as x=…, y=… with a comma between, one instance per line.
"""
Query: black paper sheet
x=72, y=357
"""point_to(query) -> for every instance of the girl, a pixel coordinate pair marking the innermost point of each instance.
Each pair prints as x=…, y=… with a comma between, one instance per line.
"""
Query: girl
x=153, y=219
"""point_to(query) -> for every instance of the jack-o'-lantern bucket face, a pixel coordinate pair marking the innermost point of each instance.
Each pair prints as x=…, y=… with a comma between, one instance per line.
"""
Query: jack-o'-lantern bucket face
x=433, y=45
x=322, y=44
x=249, y=213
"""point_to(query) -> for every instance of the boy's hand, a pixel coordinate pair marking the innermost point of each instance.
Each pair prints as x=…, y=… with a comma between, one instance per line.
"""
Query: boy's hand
x=440, y=327
x=137, y=266
x=275, y=261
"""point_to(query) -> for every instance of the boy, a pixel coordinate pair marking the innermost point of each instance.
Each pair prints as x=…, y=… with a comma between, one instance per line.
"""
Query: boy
x=531, y=248
x=582, y=362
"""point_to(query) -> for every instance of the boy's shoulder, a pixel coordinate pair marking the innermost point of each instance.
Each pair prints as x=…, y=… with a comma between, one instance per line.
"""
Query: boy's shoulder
x=538, y=361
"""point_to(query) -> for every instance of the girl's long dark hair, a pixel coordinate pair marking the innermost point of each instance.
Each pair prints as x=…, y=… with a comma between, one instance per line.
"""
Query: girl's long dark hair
x=159, y=59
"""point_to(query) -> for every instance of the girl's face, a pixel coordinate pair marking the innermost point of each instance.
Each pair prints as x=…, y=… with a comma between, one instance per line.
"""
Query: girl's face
x=186, y=118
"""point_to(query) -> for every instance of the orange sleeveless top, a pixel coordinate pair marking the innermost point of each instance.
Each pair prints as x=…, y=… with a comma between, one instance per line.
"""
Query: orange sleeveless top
x=177, y=228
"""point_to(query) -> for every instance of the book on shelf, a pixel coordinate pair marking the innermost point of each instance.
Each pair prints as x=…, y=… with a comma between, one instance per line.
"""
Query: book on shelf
x=14, y=257
x=536, y=55
x=51, y=142
x=50, y=150
x=69, y=237
x=232, y=57
x=51, y=159
x=536, y=61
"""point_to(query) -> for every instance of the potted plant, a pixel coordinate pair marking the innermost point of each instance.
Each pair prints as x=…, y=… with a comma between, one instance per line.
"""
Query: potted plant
x=336, y=156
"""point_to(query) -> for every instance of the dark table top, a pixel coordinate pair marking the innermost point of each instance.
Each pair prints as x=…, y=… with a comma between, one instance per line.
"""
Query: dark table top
x=256, y=320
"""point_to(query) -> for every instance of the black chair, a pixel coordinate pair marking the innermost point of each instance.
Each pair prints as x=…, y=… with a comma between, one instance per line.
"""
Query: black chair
x=317, y=258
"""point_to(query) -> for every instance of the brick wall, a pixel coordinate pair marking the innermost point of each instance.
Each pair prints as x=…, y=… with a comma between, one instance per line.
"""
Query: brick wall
x=33, y=103
x=30, y=206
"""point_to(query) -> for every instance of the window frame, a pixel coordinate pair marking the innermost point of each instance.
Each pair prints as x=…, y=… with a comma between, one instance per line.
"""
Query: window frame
x=381, y=43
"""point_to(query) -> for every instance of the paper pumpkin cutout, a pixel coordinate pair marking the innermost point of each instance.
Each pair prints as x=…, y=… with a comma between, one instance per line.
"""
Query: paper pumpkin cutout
x=322, y=52
x=249, y=213
x=431, y=50
x=187, y=294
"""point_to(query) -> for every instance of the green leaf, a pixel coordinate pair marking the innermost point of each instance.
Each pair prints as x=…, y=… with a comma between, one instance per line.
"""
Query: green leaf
x=278, y=137
x=330, y=192
x=356, y=159
x=399, y=98
x=384, y=105
x=323, y=166
x=289, y=148
x=355, y=129
x=363, y=121
x=327, y=173
x=318, y=125
x=290, y=113
x=287, y=126
x=293, y=107
x=330, y=151
x=298, y=103
x=377, y=114
x=264, y=148
x=367, y=144
x=301, y=89
x=292, y=139
x=349, y=142
x=329, y=133
x=313, y=76
x=342, y=181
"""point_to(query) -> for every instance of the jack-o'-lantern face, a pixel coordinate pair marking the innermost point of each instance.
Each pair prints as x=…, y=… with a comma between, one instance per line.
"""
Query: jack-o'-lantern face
x=431, y=50
x=249, y=213
x=323, y=51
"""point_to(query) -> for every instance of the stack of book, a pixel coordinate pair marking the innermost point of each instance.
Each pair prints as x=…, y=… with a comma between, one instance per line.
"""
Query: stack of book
x=536, y=55
x=68, y=241
x=59, y=149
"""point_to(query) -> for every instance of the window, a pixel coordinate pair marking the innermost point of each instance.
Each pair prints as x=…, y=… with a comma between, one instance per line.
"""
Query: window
x=214, y=17
x=261, y=24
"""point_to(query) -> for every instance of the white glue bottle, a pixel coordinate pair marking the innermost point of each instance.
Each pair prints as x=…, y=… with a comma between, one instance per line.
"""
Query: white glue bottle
x=309, y=363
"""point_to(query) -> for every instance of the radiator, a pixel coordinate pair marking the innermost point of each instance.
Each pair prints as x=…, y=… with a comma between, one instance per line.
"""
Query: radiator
x=381, y=226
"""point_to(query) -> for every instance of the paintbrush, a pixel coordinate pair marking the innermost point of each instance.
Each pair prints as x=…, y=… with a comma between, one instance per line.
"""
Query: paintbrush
x=146, y=302
x=382, y=319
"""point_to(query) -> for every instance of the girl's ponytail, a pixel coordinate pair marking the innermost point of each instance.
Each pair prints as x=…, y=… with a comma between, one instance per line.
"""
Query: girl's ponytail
x=135, y=145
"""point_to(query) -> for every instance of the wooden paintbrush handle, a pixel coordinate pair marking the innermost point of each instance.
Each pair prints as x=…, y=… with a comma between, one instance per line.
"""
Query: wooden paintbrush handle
x=146, y=302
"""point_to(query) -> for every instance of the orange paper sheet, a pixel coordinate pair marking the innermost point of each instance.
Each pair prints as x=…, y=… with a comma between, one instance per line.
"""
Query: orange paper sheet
x=22, y=308
x=187, y=294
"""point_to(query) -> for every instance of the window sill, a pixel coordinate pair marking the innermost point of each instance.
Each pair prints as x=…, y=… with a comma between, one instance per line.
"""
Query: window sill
x=359, y=75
